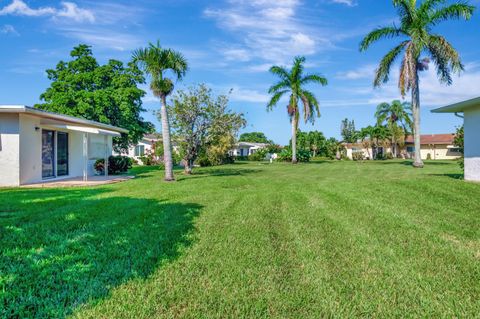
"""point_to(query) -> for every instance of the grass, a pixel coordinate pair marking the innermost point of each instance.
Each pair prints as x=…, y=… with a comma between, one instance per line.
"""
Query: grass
x=329, y=239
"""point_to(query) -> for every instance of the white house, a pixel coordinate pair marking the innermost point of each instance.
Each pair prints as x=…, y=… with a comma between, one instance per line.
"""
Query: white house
x=145, y=146
x=36, y=146
x=246, y=148
x=471, y=115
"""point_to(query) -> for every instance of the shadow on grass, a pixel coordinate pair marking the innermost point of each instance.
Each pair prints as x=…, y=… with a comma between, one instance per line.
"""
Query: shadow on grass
x=63, y=248
x=454, y=176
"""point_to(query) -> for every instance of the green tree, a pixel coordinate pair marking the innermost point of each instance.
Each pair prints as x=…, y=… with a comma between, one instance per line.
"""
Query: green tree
x=415, y=29
x=104, y=93
x=348, y=132
x=198, y=118
x=459, y=142
x=156, y=62
x=317, y=142
x=254, y=137
x=293, y=82
x=398, y=119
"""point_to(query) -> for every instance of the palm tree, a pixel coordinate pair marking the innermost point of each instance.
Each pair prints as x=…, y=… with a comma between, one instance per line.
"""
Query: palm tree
x=293, y=82
x=415, y=29
x=156, y=61
x=397, y=117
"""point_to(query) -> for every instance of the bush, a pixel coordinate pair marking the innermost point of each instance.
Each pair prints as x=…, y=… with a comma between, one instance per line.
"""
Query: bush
x=358, y=156
x=429, y=156
x=258, y=156
x=116, y=165
x=302, y=156
x=389, y=156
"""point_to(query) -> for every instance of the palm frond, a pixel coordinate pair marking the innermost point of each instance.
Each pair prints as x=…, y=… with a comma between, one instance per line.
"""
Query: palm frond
x=378, y=34
x=282, y=85
x=275, y=98
x=383, y=71
x=408, y=70
x=406, y=10
x=311, y=106
x=445, y=57
x=297, y=69
x=280, y=72
x=460, y=10
x=314, y=78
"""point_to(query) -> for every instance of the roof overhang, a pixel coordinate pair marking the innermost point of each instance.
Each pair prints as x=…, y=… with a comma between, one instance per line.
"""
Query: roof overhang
x=459, y=107
x=65, y=119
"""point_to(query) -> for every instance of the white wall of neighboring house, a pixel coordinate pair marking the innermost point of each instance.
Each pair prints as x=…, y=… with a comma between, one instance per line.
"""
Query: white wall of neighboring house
x=21, y=145
x=472, y=143
x=9, y=150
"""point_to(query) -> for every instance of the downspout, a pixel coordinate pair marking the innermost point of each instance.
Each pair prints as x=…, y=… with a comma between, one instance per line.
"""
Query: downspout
x=458, y=115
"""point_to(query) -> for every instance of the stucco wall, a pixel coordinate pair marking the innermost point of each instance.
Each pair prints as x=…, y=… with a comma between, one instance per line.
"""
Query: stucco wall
x=472, y=144
x=9, y=150
x=439, y=152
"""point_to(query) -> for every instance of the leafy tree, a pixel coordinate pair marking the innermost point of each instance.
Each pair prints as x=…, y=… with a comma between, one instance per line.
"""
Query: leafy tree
x=156, y=62
x=458, y=141
x=104, y=93
x=254, y=137
x=199, y=120
x=348, y=132
x=293, y=82
x=317, y=142
x=334, y=148
x=366, y=135
x=397, y=117
x=415, y=29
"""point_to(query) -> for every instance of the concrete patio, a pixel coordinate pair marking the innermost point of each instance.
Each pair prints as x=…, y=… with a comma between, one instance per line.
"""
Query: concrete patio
x=78, y=181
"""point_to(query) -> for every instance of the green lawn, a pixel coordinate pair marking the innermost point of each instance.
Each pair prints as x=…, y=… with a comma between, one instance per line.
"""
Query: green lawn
x=327, y=239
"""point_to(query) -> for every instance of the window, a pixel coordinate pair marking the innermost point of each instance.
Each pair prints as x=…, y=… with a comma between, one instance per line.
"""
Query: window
x=62, y=153
x=454, y=150
x=139, y=150
x=410, y=149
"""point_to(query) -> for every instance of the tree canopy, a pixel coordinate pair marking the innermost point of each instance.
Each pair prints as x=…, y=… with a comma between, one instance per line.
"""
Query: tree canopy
x=106, y=93
x=254, y=137
x=347, y=130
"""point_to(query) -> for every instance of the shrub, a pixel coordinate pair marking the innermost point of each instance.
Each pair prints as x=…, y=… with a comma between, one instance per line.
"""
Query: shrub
x=258, y=156
x=389, y=156
x=429, y=156
x=286, y=156
x=116, y=165
x=358, y=156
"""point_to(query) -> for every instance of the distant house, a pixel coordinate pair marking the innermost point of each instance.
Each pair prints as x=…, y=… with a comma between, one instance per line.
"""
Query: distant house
x=146, y=146
x=36, y=146
x=471, y=115
x=246, y=148
x=433, y=146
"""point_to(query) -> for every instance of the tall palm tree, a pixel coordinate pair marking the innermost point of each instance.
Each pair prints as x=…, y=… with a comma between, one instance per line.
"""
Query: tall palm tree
x=415, y=30
x=293, y=82
x=156, y=62
x=397, y=117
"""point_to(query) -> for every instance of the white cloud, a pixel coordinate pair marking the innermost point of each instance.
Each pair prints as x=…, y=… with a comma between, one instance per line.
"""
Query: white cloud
x=432, y=92
x=239, y=94
x=101, y=37
x=268, y=30
x=68, y=10
x=8, y=29
x=350, y=3
x=364, y=72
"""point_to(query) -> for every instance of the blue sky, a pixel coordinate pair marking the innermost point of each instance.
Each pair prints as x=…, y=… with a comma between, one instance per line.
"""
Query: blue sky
x=230, y=45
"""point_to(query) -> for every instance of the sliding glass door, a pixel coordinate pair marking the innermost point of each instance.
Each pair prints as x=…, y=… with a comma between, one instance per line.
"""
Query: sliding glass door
x=62, y=153
x=54, y=154
x=48, y=154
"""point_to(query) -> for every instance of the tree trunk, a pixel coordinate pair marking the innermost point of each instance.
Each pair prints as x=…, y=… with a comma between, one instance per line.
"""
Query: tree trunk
x=188, y=167
x=416, y=123
x=167, y=146
x=294, y=139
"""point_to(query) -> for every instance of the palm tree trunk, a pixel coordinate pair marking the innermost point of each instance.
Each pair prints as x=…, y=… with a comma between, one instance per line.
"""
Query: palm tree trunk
x=294, y=139
x=188, y=167
x=416, y=123
x=167, y=146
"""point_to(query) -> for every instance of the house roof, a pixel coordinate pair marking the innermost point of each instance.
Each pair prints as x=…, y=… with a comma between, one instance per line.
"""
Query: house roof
x=251, y=144
x=22, y=109
x=459, y=107
x=430, y=139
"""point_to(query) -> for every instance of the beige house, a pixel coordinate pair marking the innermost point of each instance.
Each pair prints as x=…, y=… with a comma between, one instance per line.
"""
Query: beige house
x=433, y=146
x=247, y=148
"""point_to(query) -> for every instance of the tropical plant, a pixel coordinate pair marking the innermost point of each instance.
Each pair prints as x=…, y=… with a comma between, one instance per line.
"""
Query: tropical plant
x=156, y=61
x=198, y=118
x=317, y=142
x=293, y=82
x=459, y=142
x=106, y=93
x=397, y=117
x=415, y=29
x=365, y=134
x=303, y=156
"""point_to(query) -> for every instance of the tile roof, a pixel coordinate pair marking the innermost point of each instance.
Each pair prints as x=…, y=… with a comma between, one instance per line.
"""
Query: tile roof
x=429, y=139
